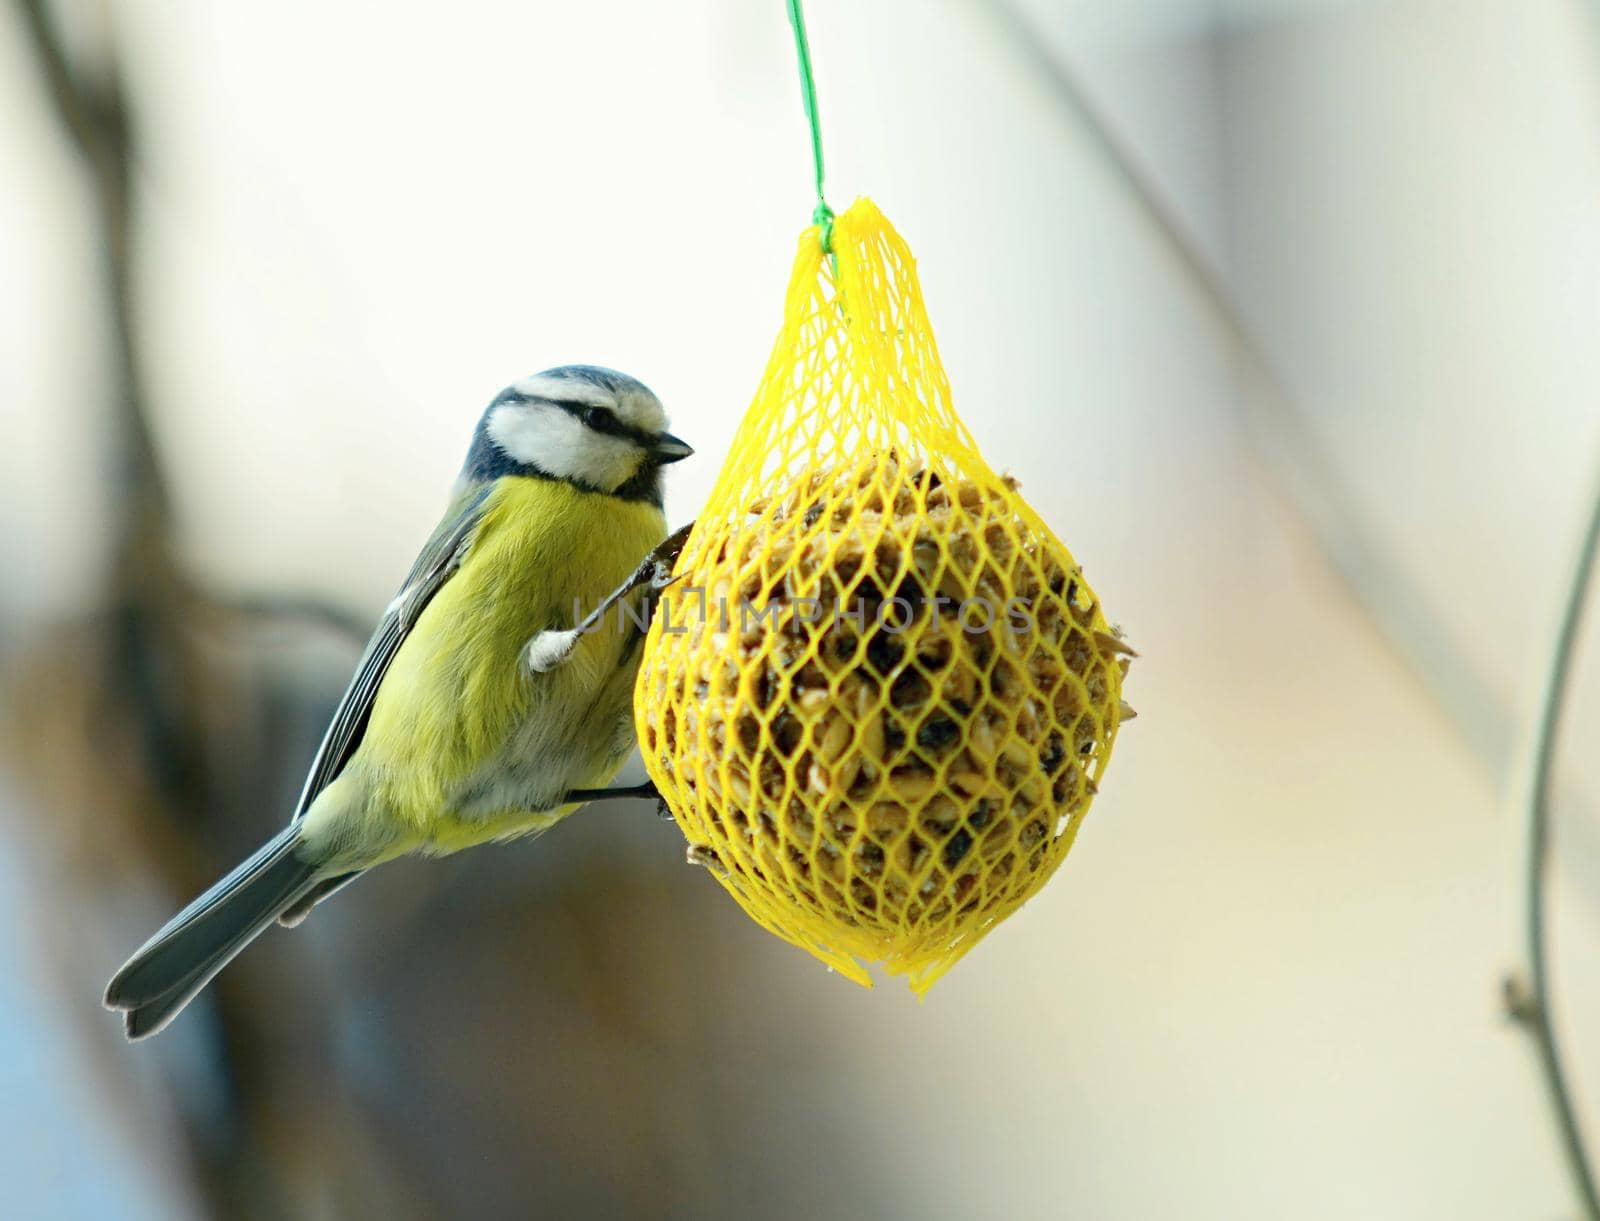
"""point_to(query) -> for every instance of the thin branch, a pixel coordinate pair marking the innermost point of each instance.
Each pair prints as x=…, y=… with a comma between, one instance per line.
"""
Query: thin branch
x=94, y=112
x=69, y=98
x=1532, y=1005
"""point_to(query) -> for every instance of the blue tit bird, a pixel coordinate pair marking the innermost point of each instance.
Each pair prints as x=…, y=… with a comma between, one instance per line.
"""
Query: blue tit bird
x=477, y=712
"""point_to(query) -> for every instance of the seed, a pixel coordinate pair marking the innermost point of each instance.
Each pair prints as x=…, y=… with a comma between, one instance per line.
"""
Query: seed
x=874, y=740
x=1032, y=792
x=850, y=770
x=834, y=739
x=909, y=690
x=938, y=732
x=911, y=853
x=1053, y=755
x=894, y=737
x=706, y=856
x=787, y=731
x=884, y=651
x=956, y=848
x=749, y=731
x=970, y=783
x=1114, y=644
x=913, y=784
x=886, y=819
x=982, y=742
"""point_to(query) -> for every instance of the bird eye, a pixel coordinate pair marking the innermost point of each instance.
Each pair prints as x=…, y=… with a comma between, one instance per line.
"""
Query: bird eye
x=601, y=419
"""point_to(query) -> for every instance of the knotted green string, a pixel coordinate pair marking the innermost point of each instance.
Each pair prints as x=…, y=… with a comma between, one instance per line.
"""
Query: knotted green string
x=822, y=214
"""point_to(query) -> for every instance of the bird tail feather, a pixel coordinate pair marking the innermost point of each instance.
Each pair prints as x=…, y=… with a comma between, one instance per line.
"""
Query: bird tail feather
x=187, y=952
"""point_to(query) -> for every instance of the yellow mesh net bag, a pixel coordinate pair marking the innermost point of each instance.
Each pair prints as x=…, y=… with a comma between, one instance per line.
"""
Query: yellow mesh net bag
x=880, y=696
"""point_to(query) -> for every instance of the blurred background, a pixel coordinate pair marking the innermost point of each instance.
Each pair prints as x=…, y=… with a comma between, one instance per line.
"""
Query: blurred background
x=1286, y=313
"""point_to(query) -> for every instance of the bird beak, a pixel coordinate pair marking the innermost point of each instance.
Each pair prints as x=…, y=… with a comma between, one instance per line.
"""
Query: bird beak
x=669, y=449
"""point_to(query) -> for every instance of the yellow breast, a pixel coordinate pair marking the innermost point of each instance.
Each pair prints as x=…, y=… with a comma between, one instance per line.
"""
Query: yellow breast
x=458, y=692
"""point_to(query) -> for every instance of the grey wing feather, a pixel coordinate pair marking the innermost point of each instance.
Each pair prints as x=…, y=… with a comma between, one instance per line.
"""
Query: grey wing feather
x=437, y=563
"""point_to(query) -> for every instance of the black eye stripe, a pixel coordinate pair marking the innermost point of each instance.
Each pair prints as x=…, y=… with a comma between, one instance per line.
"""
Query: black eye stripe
x=615, y=427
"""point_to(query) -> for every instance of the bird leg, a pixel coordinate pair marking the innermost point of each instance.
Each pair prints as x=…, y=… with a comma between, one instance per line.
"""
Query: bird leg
x=552, y=647
x=646, y=790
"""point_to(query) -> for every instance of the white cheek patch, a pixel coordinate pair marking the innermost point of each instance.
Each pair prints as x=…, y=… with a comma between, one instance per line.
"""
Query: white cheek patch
x=544, y=436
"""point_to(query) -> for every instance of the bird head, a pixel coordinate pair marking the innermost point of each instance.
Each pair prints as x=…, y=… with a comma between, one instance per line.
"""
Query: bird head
x=598, y=429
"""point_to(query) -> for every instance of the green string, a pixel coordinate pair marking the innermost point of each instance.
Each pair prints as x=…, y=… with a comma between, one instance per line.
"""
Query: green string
x=822, y=214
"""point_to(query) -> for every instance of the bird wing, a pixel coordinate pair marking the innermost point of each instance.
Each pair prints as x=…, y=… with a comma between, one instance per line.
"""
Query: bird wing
x=440, y=558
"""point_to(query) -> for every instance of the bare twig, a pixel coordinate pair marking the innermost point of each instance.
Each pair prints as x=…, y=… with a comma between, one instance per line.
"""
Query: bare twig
x=94, y=112
x=1529, y=1002
x=144, y=590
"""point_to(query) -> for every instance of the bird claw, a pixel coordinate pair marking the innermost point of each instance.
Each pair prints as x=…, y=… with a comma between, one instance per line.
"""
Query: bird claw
x=661, y=576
